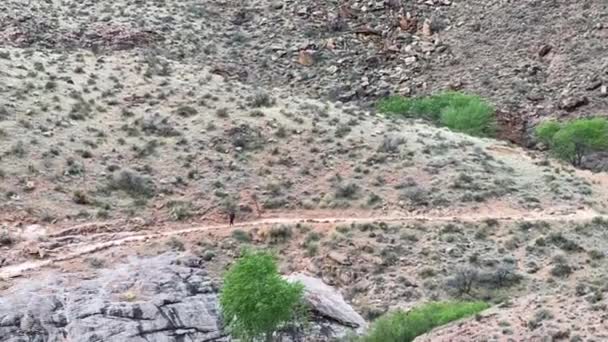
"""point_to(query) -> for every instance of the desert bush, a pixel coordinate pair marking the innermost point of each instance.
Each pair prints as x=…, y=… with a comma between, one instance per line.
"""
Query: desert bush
x=186, y=111
x=312, y=237
x=596, y=254
x=539, y=316
x=312, y=249
x=342, y=130
x=460, y=112
x=176, y=244
x=81, y=198
x=180, y=211
x=391, y=144
x=560, y=268
x=573, y=140
x=401, y=326
x=416, y=196
x=347, y=191
x=241, y=235
x=275, y=203
x=564, y=243
x=246, y=137
x=280, y=234
x=502, y=276
x=95, y=262
x=4, y=113
x=464, y=280
x=222, y=112
x=133, y=184
x=18, y=149
x=255, y=301
x=373, y=199
x=261, y=99
x=427, y=272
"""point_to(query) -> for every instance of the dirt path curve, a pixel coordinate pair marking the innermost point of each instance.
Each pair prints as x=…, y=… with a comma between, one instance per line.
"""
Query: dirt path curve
x=81, y=249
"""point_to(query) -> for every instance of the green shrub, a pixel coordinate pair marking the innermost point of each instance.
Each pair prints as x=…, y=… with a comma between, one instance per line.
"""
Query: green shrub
x=573, y=140
x=401, y=326
x=395, y=105
x=460, y=112
x=255, y=301
x=476, y=118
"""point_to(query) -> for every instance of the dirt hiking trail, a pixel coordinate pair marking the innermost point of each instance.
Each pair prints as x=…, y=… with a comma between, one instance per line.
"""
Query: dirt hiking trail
x=85, y=247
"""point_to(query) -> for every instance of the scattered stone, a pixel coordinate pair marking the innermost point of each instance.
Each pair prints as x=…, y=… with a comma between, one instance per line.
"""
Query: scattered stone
x=306, y=58
x=410, y=60
x=594, y=85
x=427, y=31
x=29, y=186
x=408, y=24
x=544, y=50
x=339, y=258
x=572, y=103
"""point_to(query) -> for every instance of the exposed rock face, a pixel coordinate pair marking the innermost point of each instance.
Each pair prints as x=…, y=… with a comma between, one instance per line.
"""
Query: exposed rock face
x=597, y=162
x=167, y=298
x=147, y=300
x=327, y=302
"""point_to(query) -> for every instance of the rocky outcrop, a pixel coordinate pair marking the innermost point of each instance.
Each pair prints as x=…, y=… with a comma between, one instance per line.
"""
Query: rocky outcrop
x=327, y=302
x=167, y=298
x=146, y=300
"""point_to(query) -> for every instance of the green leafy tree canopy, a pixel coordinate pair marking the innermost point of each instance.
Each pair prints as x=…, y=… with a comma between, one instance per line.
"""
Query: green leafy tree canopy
x=575, y=139
x=255, y=300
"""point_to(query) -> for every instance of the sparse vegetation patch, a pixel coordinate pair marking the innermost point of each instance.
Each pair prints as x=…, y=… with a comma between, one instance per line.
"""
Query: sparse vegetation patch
x=402, y=326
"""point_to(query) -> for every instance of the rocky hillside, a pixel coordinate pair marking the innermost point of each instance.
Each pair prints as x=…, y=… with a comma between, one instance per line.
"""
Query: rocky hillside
x=130, y=129
x=532, y=58
x=121, y=137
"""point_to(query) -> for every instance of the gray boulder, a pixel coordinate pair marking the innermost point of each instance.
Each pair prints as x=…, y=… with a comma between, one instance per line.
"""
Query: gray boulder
x=327, y=302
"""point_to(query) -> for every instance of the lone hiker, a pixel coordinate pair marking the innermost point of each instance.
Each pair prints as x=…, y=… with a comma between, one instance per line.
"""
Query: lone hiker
x=231, y=216
x=230, y=207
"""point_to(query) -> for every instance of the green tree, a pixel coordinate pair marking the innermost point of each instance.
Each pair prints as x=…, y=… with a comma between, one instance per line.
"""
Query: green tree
x=255, y=300
x=575, y=139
